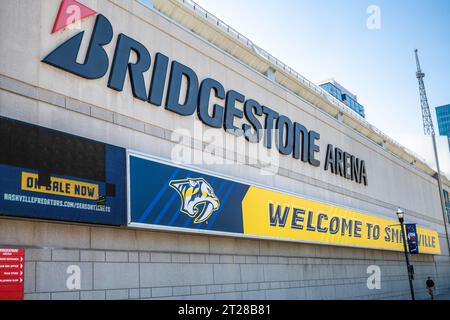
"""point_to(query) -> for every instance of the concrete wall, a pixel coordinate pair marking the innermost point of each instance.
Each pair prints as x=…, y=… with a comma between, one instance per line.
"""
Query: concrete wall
x=124, y=263
x=118, y=263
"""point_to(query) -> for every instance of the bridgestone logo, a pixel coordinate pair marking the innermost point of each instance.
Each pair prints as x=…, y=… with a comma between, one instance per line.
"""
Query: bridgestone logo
x=55, y=203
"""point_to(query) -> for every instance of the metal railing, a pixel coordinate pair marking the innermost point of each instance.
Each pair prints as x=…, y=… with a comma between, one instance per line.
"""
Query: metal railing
x=200, y=11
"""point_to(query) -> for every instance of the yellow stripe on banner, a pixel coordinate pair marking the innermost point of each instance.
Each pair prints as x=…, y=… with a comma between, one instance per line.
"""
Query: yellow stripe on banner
x=60, y=186
x=273, y=214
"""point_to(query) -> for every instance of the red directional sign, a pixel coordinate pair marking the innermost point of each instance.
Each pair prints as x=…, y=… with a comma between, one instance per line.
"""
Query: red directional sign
x=11, y=274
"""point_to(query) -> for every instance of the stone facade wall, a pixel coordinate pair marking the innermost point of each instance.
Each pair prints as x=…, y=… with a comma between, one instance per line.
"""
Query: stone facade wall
x=119, y=263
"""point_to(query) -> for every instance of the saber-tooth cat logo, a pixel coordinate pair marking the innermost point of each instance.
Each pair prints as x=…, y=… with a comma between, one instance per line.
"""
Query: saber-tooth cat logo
x=198, y=199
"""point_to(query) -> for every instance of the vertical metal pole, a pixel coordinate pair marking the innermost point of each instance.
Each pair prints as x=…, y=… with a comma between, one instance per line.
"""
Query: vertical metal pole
x=407, y=262
x=441, y=192
x=448, y=140
x=429, y=129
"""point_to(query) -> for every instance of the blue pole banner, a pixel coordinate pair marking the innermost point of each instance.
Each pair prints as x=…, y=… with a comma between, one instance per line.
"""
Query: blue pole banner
x=49, y=174
x=412, y=238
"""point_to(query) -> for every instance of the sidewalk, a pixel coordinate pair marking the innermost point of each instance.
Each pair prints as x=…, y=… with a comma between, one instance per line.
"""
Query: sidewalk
x=440, y=296
x=443, y=296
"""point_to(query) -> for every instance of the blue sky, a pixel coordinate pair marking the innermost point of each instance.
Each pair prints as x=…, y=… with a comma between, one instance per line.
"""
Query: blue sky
x=324, y=39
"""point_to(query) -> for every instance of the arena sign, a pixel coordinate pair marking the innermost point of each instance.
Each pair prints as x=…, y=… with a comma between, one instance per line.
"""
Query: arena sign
x=167, y=197
x=262, y=123
x=54, y=175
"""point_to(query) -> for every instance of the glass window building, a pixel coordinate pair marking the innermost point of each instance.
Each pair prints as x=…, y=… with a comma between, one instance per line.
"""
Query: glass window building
x=443, y=120
x=340, y=93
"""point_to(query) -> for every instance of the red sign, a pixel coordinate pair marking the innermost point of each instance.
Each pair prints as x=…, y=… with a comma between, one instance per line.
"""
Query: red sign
x=71, y=11
x=11, y=274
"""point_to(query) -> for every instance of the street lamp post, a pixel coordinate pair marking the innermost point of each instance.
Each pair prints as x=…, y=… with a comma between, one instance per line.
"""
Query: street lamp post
x=400, y=215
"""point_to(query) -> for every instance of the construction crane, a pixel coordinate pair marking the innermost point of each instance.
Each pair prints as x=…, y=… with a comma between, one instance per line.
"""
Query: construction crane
x=429, y=130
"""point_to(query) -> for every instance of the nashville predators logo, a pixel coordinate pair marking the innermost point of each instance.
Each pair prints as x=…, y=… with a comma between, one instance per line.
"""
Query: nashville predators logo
x=198, y=199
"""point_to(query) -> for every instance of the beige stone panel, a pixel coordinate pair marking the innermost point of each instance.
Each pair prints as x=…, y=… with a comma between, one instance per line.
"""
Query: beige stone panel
x=18, y=107
x=20, y=39
x=43, y=234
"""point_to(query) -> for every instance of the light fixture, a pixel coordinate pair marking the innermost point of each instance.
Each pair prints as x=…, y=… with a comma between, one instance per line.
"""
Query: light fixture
x=400, y=214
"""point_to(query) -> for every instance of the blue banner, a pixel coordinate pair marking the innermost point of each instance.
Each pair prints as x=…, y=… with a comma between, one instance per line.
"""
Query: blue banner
x=170, y=196
x=412, y=238
x=48, y=174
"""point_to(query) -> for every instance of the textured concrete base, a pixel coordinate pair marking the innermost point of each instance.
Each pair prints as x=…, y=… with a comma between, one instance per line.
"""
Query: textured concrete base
x=153, y=265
